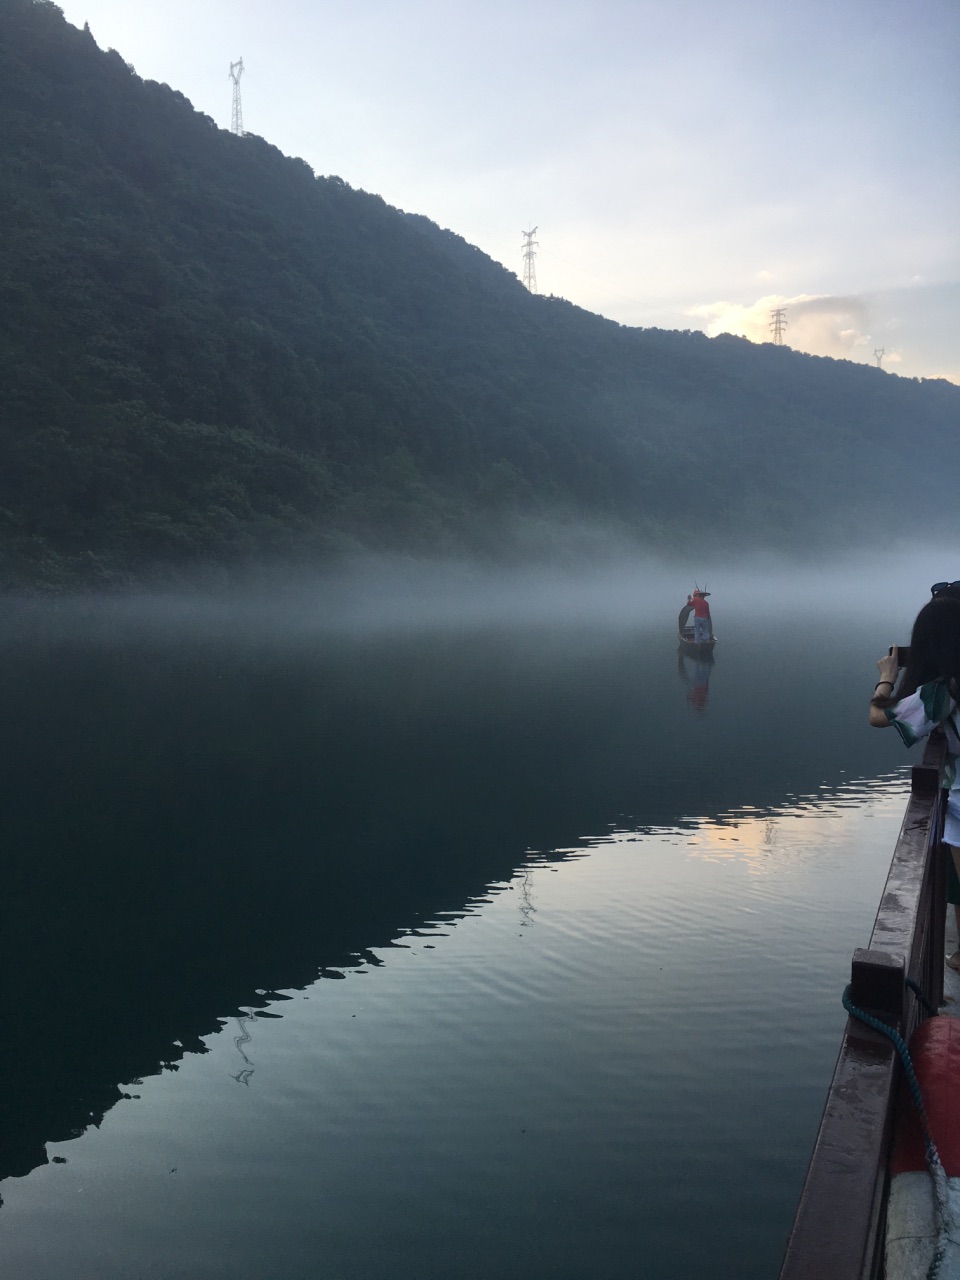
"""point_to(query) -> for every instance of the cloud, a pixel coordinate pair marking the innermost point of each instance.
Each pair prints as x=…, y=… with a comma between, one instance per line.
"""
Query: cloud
x=821, y=324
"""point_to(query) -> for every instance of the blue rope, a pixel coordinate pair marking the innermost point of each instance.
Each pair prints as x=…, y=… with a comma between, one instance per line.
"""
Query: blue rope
x=917, y=990
x=934, y=1163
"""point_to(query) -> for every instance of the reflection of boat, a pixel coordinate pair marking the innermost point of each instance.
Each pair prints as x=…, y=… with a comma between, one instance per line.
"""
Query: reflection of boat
x=698, y=648
x=694, y=669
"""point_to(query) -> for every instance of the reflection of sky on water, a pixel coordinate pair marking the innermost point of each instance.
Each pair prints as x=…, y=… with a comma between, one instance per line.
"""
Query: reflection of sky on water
x=795, y=838
x=585, y=1051
x=809, y=834
x=557, y=904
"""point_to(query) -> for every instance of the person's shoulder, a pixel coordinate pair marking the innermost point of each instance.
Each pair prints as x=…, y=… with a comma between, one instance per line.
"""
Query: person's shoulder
x=936, y=699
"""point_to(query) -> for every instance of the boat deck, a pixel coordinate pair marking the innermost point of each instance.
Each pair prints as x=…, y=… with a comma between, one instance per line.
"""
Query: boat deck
x=951, y=979
x=840, y=1225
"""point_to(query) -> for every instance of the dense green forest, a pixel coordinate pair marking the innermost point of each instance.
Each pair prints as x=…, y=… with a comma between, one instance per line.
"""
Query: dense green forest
x=210, y=356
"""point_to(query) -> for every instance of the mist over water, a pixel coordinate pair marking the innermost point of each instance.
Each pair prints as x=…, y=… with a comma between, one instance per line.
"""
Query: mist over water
x=379, y=593
x=560, y=874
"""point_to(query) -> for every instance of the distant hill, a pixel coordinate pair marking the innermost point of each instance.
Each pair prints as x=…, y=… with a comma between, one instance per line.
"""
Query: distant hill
x=210, y=355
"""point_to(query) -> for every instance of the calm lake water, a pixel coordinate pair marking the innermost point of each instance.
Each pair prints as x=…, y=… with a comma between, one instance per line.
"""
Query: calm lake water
x=479, y=952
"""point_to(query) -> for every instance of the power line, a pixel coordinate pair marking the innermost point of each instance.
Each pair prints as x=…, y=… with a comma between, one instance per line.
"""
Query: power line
x=529, y=265
x=236, y=118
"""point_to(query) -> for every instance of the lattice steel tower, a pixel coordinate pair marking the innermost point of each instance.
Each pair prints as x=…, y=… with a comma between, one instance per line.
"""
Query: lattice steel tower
x=778, y=322
x=878, y=356
x=529, y=265
x=236, y=119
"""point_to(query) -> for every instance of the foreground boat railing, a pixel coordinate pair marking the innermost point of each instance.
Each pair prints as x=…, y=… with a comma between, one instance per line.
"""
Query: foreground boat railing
x=839, y=1227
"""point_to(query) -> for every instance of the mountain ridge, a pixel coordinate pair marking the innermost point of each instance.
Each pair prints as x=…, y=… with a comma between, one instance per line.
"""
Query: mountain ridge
x=210, y=355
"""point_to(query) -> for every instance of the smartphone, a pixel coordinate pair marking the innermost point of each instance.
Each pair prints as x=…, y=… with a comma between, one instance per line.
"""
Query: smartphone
x=903, y=654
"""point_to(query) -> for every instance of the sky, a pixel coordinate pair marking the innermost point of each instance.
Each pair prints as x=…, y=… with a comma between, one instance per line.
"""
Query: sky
x=688, y=164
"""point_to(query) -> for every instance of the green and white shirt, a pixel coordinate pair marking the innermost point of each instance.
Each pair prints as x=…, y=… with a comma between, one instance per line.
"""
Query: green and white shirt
x=917, y=715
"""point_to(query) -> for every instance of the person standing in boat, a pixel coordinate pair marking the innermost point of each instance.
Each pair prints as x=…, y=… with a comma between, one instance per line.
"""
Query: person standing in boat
x=927, y=698
x=702, y=622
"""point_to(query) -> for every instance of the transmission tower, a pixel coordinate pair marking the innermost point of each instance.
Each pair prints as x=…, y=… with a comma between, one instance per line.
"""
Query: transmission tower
x=236, y=119
x=878, y=356
x=778, y=322
x=529, y=265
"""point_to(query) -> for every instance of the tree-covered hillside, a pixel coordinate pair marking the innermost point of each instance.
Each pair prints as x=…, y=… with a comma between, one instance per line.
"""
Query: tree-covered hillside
x=208, y=354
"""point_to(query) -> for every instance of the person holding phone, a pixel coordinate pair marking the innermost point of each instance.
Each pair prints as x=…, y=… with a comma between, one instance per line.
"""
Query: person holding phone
x=926, y=697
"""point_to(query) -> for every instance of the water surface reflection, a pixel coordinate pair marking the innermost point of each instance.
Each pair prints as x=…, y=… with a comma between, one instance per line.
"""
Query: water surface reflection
x=575, y=1070
x=195, y=828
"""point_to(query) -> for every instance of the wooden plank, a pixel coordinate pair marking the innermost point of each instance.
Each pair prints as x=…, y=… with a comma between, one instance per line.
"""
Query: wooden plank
x=895, y=928
x=876, y=985
x=839, y=1227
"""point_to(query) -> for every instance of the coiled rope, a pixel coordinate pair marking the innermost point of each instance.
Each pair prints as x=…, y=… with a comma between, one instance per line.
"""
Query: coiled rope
x=934, y=1163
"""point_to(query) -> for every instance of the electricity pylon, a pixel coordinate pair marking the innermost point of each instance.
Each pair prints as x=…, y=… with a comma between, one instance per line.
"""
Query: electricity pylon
x=236, y=119
x=778, y=322
x=878, y=356
x=529, y=266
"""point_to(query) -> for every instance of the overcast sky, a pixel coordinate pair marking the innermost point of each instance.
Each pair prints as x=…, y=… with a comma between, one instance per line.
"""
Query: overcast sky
x=688, y=163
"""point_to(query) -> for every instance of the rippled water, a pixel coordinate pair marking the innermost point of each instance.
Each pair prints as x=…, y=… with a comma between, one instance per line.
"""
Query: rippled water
x=484, y=955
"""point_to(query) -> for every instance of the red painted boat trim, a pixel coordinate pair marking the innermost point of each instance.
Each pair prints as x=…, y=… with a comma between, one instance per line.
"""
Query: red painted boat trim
x=935, y=1051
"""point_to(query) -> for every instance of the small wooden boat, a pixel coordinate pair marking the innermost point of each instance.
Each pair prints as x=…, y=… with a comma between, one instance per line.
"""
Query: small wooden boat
x=686, y=632
x=697, y=648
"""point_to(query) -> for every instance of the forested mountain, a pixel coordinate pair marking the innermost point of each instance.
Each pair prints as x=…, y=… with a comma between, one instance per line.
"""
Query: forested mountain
x=210, y=355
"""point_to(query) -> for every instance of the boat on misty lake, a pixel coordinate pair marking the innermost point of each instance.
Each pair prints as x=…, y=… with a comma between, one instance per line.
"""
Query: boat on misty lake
x=687, y=630
x=697, y=648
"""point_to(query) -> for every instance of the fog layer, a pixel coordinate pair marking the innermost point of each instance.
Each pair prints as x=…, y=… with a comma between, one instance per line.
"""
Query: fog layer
x=380, y=594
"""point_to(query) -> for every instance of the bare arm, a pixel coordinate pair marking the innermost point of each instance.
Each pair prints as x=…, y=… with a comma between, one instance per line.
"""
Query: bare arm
x=888, y=666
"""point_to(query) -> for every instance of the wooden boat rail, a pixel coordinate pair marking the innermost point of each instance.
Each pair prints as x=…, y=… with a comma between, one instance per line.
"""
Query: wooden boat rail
x=839, y=1227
